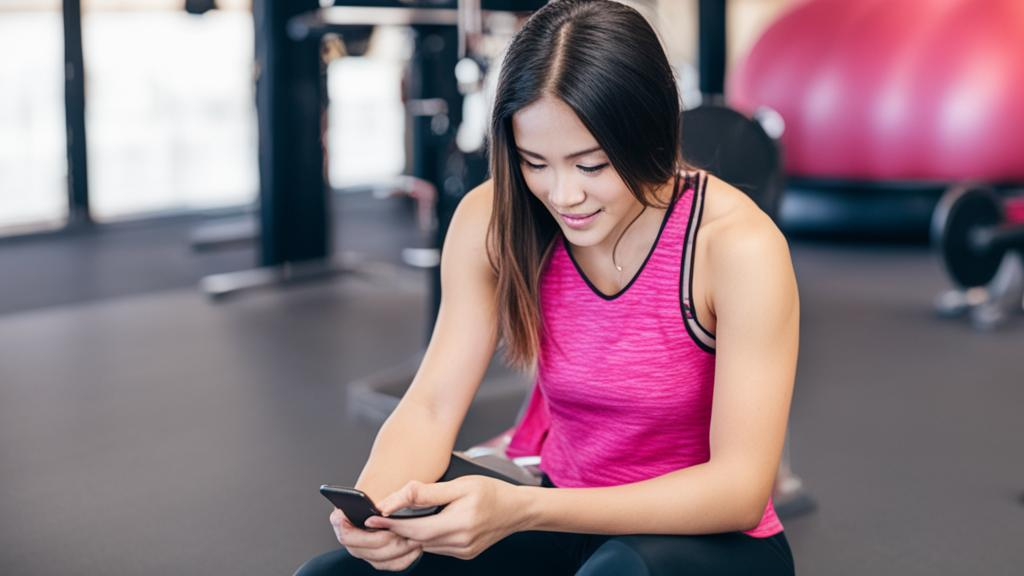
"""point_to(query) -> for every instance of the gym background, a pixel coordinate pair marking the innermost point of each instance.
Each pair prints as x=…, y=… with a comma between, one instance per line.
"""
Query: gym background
x=219, y=223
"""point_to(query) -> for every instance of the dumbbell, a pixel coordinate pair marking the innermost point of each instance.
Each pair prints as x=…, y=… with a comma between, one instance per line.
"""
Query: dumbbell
x=973, y=229
x=980, y=238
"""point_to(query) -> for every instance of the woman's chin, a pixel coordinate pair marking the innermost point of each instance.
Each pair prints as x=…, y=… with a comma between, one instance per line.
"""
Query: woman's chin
x=583, y=238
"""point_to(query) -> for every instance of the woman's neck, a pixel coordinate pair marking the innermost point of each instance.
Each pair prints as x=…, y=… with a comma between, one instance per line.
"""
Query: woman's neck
x=617, y=264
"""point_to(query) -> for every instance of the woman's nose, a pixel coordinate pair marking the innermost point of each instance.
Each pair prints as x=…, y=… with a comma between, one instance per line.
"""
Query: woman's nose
x=565, y=194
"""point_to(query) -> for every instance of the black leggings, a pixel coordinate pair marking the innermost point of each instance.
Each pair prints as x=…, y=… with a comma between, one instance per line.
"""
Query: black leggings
x=555, y=553
x=566, y=554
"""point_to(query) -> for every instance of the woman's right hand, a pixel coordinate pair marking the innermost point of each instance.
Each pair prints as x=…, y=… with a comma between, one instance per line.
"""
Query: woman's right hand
x=383, y=549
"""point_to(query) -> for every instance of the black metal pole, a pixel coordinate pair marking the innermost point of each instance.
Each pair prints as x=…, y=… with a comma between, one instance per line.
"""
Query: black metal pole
x=432, y=76
x=74, y=115
x=711, y=46
x=294, y=219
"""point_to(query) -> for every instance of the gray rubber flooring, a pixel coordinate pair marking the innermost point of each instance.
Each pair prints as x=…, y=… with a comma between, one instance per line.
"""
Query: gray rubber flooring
x=131, y=258
x=158, y=433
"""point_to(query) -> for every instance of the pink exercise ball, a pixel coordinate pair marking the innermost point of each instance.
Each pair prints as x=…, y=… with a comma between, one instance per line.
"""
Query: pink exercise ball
x=886, y=90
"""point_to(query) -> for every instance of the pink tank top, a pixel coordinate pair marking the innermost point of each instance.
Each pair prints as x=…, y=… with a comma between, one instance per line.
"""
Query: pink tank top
x=625, y=382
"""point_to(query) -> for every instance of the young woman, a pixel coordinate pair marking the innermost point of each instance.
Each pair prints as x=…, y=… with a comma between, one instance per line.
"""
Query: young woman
x=658, y=306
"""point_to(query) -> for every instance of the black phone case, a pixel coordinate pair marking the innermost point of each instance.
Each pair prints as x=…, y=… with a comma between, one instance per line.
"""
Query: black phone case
x=356, y=505
x=406, y=513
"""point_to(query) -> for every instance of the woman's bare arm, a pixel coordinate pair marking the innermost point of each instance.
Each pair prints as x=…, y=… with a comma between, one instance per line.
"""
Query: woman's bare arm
x=416, y=440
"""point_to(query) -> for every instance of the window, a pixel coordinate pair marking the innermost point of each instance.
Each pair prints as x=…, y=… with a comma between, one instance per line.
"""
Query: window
x=170, y=106
x=33, y=145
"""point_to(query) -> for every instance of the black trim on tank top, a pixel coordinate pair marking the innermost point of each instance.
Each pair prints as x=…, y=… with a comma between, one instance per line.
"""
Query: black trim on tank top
x=696, y=215
x=668, y=214
x=693, y=267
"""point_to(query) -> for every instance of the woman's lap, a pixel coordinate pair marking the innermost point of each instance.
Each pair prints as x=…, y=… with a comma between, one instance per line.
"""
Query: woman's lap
x=542, y=553
x=537, y=553
x=713, y=554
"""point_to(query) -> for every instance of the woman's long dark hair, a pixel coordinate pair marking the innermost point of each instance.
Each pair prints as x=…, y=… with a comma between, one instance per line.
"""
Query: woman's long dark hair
x=605, y=61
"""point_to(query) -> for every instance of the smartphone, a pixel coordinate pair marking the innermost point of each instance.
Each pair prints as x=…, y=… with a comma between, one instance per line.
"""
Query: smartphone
x=357, y=506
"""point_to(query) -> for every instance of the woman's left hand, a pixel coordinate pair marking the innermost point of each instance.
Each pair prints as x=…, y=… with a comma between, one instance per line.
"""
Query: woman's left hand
x=479, y=511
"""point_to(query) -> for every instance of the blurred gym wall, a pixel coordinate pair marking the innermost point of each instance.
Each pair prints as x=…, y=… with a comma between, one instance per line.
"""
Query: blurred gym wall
x=677, y=24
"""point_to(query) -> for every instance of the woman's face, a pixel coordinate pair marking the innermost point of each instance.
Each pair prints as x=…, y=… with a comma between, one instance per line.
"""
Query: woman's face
x=566, y=170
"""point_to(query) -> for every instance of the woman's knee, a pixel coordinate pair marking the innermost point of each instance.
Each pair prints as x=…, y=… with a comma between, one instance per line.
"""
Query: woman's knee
x=335, y=563
x=650, y=555
x=618, y=555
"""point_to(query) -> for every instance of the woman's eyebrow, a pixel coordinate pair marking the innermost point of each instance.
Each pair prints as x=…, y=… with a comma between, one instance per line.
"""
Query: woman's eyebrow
x=573, y=155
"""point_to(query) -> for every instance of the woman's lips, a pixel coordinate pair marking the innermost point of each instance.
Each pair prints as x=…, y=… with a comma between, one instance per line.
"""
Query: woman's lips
x=576, y=221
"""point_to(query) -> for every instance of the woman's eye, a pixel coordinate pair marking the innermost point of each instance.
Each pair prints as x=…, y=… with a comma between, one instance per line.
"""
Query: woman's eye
x=592, y=169
x=532, y=166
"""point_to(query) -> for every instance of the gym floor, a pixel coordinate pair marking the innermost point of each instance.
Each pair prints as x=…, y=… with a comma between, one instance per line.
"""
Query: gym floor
x=146, y=430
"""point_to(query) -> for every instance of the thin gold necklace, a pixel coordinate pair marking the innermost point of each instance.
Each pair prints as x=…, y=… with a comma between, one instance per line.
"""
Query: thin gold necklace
x=675, y=186
x=616, y=247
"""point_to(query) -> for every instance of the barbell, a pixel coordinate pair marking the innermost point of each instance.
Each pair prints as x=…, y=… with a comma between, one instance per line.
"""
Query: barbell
x=973, y=229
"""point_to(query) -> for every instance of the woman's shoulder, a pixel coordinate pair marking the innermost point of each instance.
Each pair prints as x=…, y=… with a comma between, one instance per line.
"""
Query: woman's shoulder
x=473, y=215
x=734, y=229
x=468, y=230
x=750, y=277
x=479, y=200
